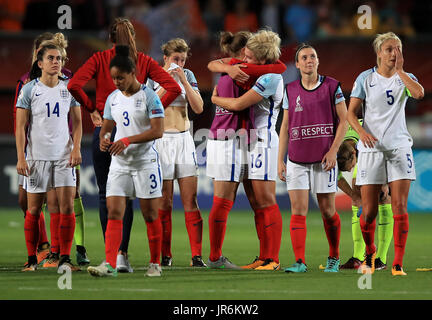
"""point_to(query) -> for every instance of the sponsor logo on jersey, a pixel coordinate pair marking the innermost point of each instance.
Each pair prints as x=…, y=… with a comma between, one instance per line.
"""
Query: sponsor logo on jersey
x=221, y=111
x=313, y=131
x=298, y=107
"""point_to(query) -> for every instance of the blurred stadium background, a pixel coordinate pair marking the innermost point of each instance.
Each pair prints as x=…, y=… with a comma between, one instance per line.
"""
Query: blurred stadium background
x=331, y=26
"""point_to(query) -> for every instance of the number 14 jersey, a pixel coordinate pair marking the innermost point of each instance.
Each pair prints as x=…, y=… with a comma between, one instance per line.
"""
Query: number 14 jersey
x=48, y=131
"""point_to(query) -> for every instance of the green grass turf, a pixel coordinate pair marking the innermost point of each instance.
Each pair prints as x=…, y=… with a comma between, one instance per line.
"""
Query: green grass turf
x=241, y=246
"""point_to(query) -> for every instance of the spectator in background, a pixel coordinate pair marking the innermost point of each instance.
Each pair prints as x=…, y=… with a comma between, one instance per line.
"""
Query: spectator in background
x=327, y=15
x=213, y=15
x=12, y=14
x=300, y=20
x=241, y=19
x=270, y=15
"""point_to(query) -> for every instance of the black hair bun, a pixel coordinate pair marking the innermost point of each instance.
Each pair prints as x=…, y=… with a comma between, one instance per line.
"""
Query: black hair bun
x=122, y=50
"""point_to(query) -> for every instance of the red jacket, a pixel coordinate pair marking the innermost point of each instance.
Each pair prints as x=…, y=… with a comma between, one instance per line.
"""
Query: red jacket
x=97, y=67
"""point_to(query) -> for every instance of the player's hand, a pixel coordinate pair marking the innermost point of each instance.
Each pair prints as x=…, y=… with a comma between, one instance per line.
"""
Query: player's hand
x=329, y=160
x=399, y=59
x=384, y=192
x=23, y=168
x=368, y=140
x=105, y=143
x=282, y=171
x=96, y=118
x=117, y=148
x=75, y=158
x=180, y=74
x=237, y=74
x=214, y=94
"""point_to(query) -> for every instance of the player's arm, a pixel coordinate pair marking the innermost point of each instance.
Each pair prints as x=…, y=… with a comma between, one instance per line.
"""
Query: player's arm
x=158, y=74
x=366, y=138
x=329, y=159
x=75, y=157
x=105, y=134
x=416, y=89
x=22, y=117
x=248, y=99
x=345, y=187
x=84, y=74
x=234, y=71
x=257, y=70
x=283, y=145
x=193, y=96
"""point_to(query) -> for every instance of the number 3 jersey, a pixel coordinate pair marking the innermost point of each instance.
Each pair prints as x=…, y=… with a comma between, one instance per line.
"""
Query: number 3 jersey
x=48, y=133
x=132, y=116
x=384, y=101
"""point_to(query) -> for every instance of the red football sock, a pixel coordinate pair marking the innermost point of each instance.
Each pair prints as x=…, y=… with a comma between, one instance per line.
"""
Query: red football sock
x=113, y=238
x=194, y=227
x=259, y=225
x=154, y=235
x=368, y=231
x=298, y=236
x=42, y=230
x=272, y=231
x=31, y=233
x=54, y=229
x=166, y=220
x=332, y=228
x=66, y=233
x=217, y=225
x=400, y=235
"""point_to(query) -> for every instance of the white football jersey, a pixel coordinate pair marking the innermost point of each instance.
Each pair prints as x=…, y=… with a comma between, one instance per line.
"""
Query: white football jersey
x=384, y=101
x=132, y=116
x=265, y=113
x=48, y=132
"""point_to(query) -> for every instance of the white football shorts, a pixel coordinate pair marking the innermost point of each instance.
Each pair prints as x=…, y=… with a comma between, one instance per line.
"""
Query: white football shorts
x=227, y=159
x=45, y=175
x=311, y=177
x=145, y=183
x=177, y=155
x=262, y=161
x=380, y=167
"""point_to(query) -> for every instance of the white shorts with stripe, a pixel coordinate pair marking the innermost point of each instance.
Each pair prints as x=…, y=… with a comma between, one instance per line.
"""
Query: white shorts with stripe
x=384, y=167
x=262, y=161
x=227, y=159
x=145, y=183
x=177, y=155
x=311, y=177
x=45, y=175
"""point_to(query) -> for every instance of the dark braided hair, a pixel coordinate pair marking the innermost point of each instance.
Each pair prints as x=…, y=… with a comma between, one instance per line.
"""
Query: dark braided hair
x=122, y=60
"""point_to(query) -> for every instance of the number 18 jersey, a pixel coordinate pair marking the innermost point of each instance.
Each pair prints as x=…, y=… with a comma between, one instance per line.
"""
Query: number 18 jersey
x=384, y=101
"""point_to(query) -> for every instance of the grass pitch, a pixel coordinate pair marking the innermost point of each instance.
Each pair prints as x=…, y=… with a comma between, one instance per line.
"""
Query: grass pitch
x=181, y=282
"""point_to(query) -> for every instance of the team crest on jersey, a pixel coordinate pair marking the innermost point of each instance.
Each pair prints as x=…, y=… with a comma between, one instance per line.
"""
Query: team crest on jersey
x=298, y=107
x=399, y=82
x=138, y=103
x=64, y=94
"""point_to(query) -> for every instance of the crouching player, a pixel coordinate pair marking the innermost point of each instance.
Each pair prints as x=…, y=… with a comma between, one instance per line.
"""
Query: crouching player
x=51, y=153
x=138, y=113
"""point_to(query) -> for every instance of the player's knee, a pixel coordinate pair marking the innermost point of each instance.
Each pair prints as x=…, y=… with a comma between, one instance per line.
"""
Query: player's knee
x=399, y=206
x=150, y=215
